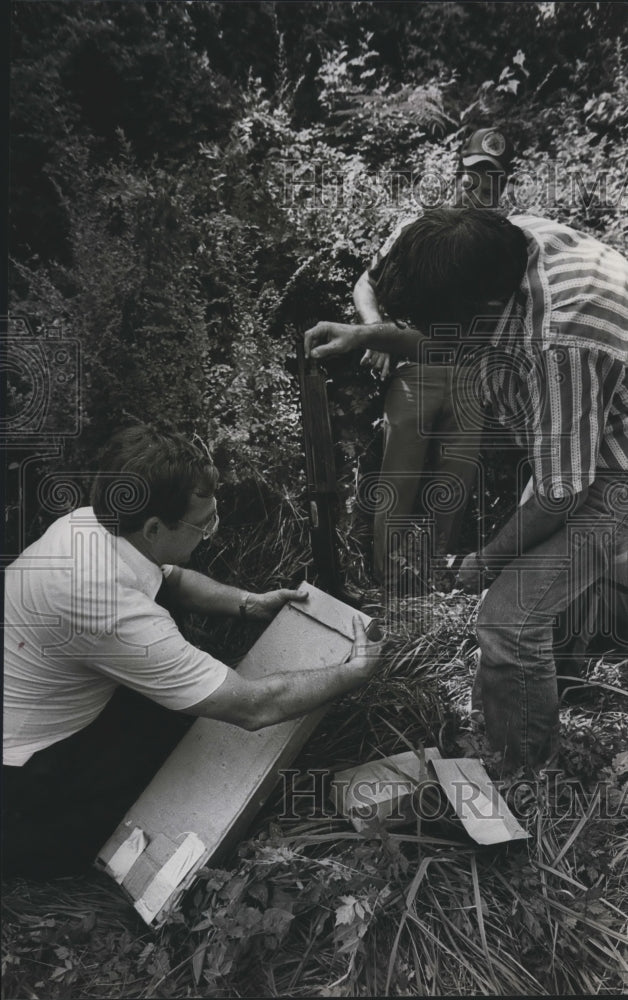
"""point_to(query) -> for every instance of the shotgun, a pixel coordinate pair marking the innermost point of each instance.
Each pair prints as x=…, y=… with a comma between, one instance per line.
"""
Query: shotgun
x=320, y=470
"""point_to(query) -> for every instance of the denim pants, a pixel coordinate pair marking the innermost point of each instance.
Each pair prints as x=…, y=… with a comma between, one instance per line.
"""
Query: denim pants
x=430, y=455
x=553, y=582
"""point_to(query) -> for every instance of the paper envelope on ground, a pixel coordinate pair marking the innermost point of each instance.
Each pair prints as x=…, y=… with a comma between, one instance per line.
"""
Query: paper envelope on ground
x=381, y=791
x=476, y=801
x=204, y=797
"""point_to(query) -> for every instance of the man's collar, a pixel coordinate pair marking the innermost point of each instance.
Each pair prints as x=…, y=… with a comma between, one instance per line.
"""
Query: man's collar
x=148, y=575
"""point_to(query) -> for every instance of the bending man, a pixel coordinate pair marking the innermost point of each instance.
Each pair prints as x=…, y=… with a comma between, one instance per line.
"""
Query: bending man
x=542, y=311
x=428, y=447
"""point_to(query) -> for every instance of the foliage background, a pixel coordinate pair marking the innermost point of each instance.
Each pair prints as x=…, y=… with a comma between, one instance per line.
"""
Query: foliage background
x=192, y=180
x=190, y=183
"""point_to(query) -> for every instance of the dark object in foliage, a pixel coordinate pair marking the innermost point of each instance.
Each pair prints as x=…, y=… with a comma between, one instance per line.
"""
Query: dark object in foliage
x=322, y=494
x=59, y=807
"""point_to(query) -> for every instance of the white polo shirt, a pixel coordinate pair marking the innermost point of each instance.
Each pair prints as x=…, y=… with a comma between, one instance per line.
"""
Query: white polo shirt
x=81, y=618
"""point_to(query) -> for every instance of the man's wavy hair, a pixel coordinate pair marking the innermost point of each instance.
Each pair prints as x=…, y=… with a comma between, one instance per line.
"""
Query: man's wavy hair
x=147, y=470
x=450, y=263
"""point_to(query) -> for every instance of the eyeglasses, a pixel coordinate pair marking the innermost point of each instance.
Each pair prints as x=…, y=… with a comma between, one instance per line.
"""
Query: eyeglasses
x=209, y=528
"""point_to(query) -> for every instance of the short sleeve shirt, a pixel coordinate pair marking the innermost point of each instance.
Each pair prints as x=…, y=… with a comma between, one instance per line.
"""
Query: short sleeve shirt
x=81, y=618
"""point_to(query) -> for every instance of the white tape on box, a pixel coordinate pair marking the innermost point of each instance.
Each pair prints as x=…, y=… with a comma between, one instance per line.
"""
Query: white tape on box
x=121, y=862
x=165, y=882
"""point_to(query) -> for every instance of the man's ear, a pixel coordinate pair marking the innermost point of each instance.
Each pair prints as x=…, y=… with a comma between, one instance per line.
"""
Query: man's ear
x=151, y=528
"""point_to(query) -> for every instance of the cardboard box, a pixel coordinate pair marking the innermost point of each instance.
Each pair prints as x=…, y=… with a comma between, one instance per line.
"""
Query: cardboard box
x=208, y=791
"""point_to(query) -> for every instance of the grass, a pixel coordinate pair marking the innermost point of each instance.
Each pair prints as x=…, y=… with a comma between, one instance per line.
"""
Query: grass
x=307, y=907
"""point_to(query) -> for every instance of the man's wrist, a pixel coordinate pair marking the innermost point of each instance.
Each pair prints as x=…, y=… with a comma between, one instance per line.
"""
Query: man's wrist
x=352, y=674
x=366, y=333
x=359, y=335
x=244, y=603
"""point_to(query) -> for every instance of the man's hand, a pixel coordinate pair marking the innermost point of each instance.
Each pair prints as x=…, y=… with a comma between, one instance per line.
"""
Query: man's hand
x=366, y=656
x=327, y=339
x=266, y=606
x=471, y=574
x=378, y=361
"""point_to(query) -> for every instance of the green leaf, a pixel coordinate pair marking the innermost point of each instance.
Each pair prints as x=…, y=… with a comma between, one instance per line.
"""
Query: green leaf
x=345, y=914
x=276, y=921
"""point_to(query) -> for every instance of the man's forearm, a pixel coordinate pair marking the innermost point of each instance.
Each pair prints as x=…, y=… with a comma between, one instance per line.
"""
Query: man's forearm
x=290, y=695
x=196, y=592
x=387, y=336
x=325, y=340
x=265, y=701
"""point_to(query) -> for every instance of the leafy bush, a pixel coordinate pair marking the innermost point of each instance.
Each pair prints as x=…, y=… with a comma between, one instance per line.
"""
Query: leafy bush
x=193, y=183
x=187, y=278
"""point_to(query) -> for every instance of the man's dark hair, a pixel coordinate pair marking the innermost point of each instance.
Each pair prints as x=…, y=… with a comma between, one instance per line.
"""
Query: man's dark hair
x=146, y=471
x=447, y=265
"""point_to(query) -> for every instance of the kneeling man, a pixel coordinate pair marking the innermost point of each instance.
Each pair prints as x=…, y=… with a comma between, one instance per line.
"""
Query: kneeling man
x=81, y=618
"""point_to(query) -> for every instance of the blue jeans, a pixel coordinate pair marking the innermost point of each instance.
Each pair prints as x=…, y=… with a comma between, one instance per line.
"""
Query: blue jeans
x=516, y=621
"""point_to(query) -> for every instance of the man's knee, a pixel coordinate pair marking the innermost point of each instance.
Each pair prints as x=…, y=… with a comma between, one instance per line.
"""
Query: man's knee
x=498, y=624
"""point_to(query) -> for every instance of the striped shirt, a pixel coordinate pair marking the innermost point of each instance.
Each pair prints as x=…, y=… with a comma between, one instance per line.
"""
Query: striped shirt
x=555, y=373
